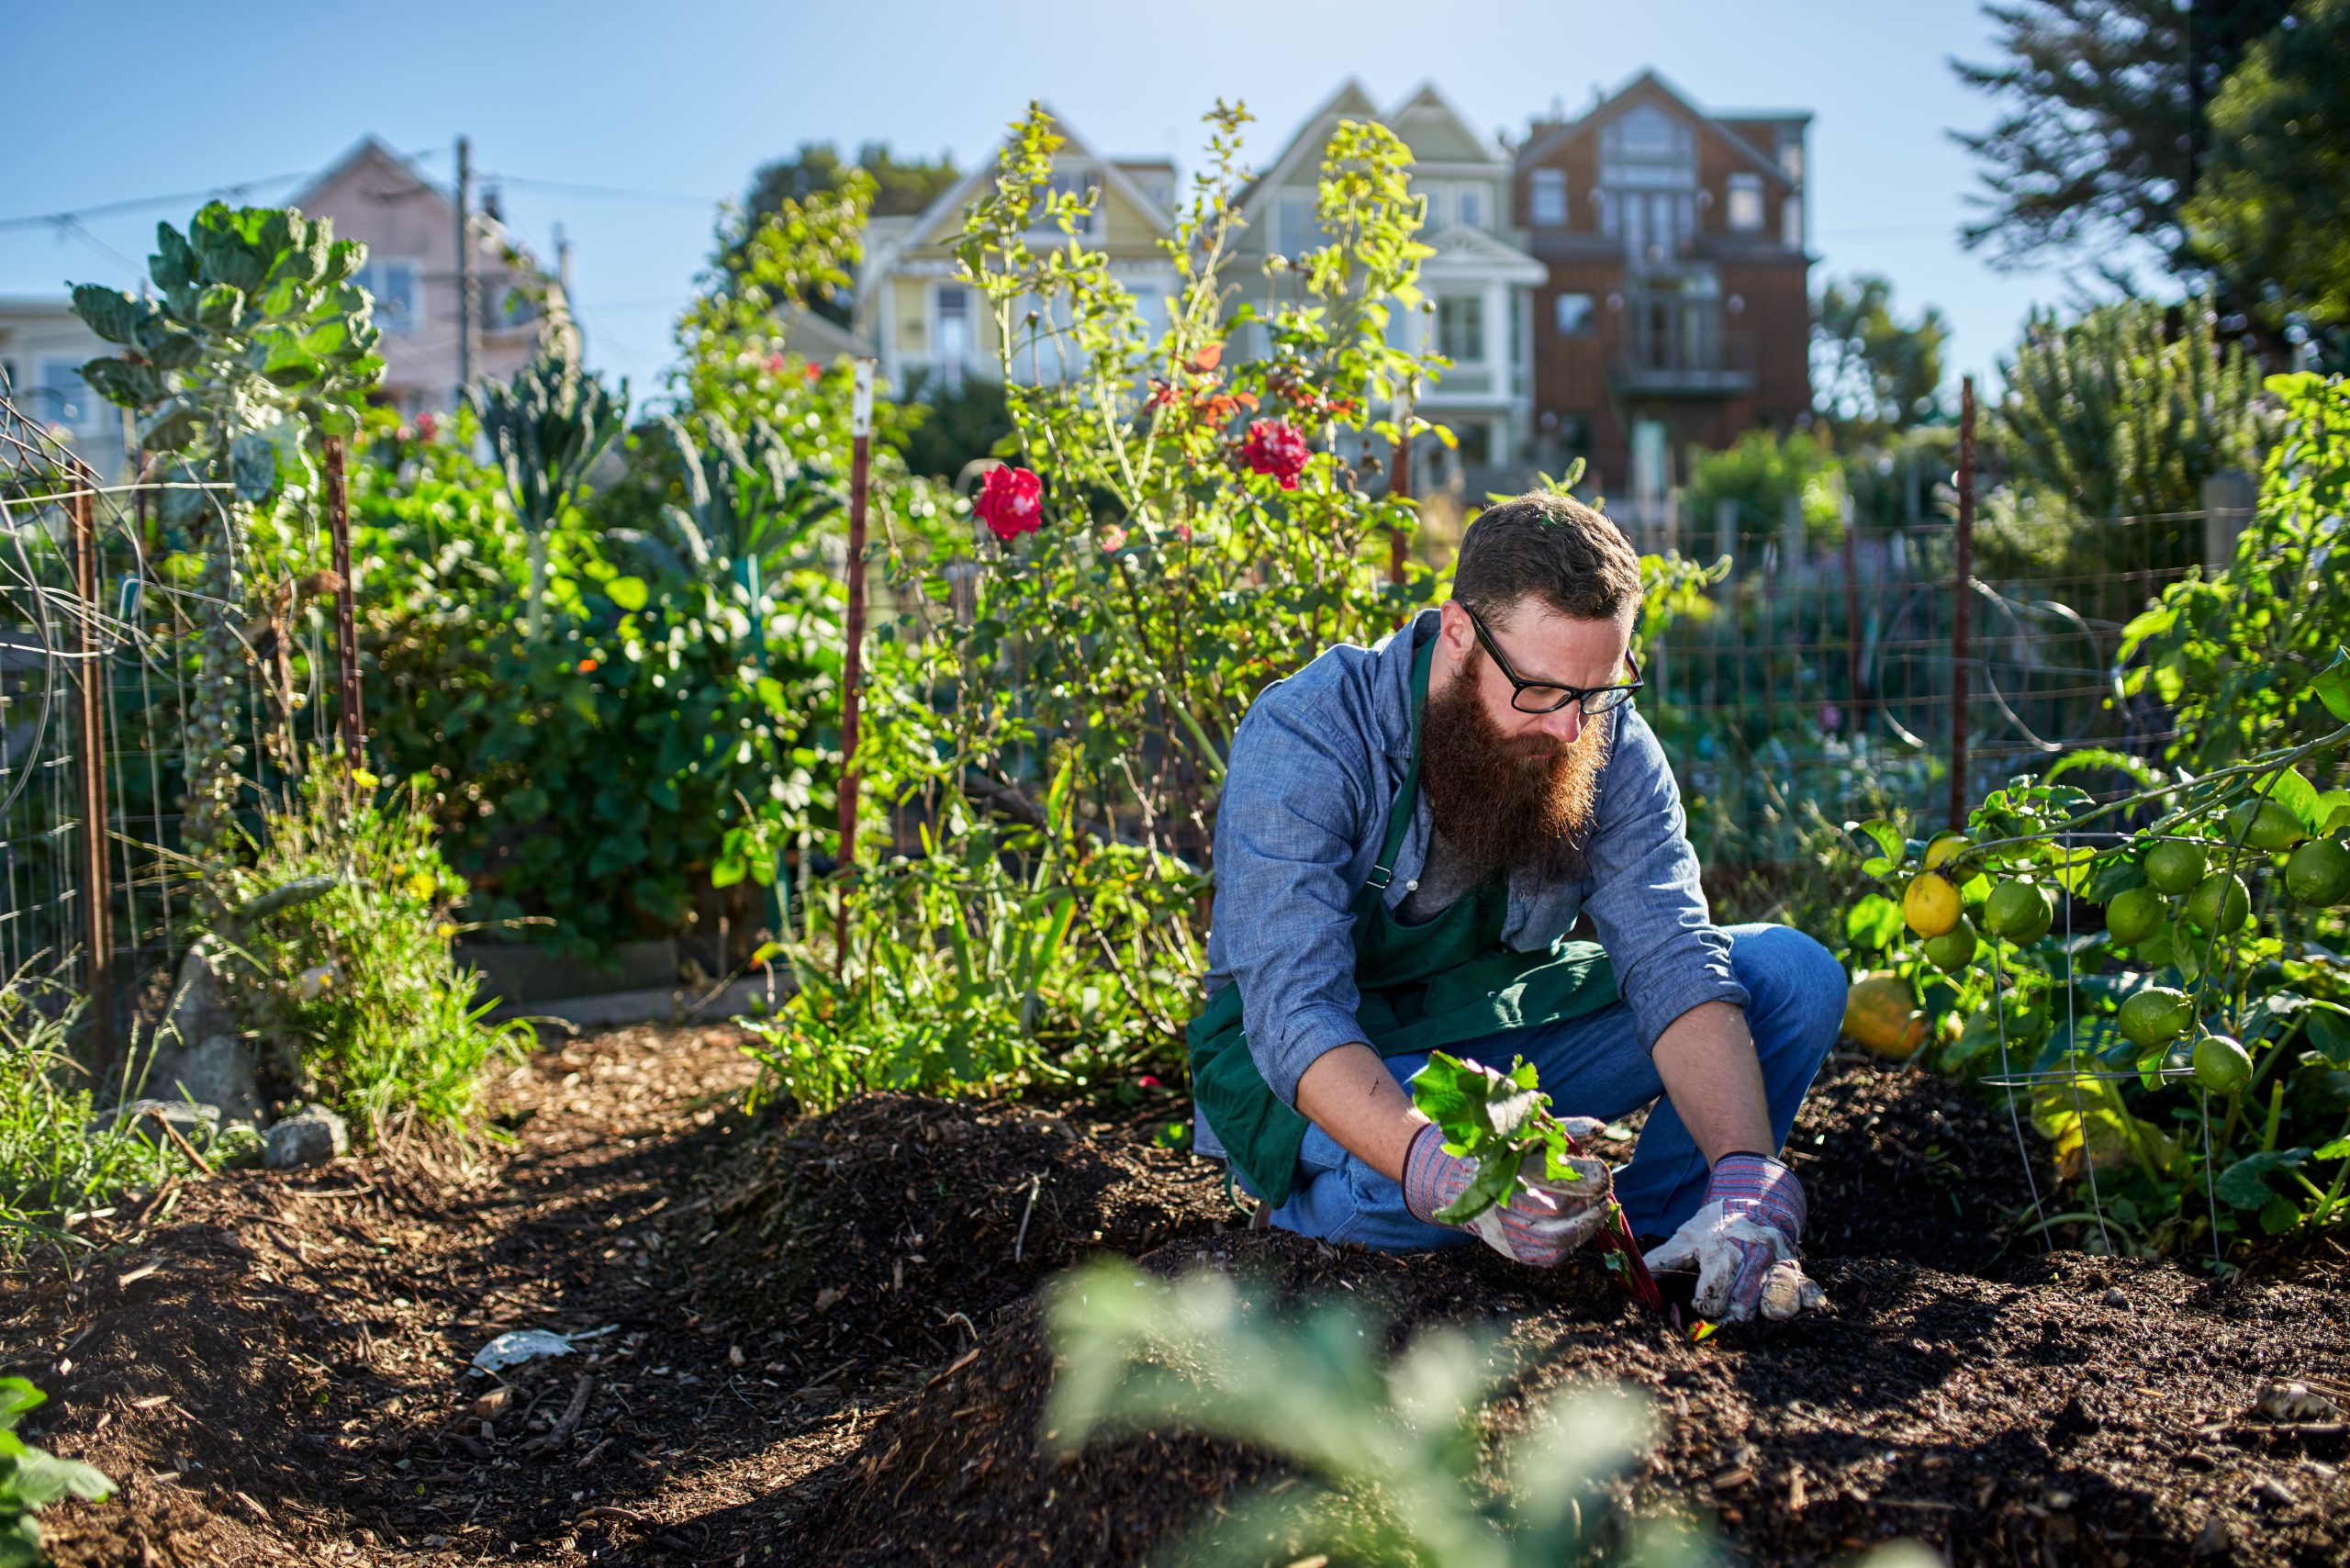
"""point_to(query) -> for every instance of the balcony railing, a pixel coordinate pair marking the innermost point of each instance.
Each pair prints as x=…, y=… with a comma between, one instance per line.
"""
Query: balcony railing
x=1679, y=348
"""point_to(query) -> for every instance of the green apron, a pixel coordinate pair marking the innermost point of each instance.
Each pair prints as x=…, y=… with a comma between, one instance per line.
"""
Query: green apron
x=1423, y=987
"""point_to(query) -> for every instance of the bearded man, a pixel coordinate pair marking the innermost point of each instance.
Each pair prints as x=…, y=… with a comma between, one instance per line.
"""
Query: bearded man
x=1466, y=838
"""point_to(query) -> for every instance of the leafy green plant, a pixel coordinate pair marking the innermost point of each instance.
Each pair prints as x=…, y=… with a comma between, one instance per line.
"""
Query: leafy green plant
x=1071, y=972
x=356, y=973
x=2189, y=1062
x=1495, y=1122
x=548, y=427
x=256, y=344
x=32, y=1478
x=1392, y=1453
x=58, y=1154
x=2236, y=654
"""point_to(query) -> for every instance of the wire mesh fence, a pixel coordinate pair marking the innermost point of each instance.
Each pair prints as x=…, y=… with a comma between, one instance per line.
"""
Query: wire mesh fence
x=100, y=618
x=1817, y=684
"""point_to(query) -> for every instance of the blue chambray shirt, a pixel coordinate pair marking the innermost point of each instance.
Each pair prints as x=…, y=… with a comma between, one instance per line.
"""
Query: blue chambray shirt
x=1315, y=771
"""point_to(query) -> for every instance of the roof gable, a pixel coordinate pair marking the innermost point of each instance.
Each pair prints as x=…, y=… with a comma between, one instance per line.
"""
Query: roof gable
x=1350, y=101
x=1113, y=179
x=1437, y=131
x=367, y=155
x=1650, y=86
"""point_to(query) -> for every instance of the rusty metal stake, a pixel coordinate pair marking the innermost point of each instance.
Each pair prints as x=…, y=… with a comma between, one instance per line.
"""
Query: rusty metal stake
x=852, y=663
x=1963, y=602
x=346, y=623
x=90, y=721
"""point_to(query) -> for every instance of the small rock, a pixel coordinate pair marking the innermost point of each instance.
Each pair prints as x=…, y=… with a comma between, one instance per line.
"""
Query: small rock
x=2274, y=1492
x=2285, y=1401
x=218, y=1072
x=2216, y=1539
x=311, y=1137
x=2114, y=1297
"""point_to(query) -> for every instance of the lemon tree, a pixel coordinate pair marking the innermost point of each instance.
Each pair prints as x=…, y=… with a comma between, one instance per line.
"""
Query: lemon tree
x=2161, y=962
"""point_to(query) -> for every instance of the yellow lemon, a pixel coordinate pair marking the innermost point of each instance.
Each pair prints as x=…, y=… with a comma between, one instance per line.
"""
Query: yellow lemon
x=1931, y=904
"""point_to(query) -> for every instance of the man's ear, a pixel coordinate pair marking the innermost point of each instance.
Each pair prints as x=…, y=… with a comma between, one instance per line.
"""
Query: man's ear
x=1454, y=628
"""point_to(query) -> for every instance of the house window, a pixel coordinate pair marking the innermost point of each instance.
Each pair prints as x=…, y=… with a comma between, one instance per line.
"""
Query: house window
x=1791, y=155
x=1547, y=197
x=1791, y=223
x=1574, y=314
x=1647, y=177
x=1294, y=226
x=1470, y=202
x=1460, y=328
x=1517, y=329
x=951, y=306
x=399, y=304
x=1745, y=204
x=63, y=398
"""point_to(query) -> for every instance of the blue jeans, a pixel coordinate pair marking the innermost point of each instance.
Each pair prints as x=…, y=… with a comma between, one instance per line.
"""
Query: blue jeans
x=1594, y=1066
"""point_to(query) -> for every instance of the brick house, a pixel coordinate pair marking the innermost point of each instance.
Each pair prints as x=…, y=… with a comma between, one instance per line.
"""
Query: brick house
x=1677, y=315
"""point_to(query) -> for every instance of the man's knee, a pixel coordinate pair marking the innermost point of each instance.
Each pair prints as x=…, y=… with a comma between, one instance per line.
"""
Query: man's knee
x=1796, y=983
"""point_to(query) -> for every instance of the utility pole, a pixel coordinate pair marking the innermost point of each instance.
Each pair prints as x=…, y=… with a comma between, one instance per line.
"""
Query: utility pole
x=465, y=269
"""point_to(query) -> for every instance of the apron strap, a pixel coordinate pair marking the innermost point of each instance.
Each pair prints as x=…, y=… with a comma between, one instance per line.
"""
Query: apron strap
x=1407, y=799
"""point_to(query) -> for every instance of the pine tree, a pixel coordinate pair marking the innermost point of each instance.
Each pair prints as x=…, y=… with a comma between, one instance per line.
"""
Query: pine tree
x=2105, y=131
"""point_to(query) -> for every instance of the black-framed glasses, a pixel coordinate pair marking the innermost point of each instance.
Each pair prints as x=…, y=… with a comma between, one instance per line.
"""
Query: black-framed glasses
x=1541, y=695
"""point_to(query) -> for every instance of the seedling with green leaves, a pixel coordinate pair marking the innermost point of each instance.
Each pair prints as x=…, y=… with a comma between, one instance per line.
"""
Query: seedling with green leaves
x=1495, y=1120
x=31, y=1479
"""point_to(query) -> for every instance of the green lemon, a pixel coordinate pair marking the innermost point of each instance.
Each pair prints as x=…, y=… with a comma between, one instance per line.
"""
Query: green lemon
x=2221, y=1064
x=2134, y=914
x=2318, y=874
x=2219, y=903
x=1953, y=950
x=2174, y=865
x=2269, y=827
x=2155, y=1016
x=2018, y=912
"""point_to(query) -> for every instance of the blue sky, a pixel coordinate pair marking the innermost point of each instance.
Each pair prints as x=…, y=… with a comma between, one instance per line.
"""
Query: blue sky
x=628, y=123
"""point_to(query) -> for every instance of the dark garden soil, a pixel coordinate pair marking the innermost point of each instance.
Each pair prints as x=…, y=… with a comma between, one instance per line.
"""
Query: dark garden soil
x=823, y=1347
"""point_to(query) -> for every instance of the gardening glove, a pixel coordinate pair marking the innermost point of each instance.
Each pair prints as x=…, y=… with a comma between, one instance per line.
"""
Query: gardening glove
x=1742, y=1241
x=1542, y=1222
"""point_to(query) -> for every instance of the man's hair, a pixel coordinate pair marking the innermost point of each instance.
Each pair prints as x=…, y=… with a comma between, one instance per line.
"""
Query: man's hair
x=1553, y=548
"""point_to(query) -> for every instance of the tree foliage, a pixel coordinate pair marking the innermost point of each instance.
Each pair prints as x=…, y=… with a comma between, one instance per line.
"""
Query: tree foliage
x=2126, y=411
x=2272, y=210
x=895, y=187
x=1873, y=373
x=2103, y=132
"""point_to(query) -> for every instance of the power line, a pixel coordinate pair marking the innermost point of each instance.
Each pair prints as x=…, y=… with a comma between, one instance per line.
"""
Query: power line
x=107, y=209
x=619, y=192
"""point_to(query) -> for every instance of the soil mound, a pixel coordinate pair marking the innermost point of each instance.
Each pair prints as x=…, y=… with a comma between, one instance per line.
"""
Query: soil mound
x=896, y=1215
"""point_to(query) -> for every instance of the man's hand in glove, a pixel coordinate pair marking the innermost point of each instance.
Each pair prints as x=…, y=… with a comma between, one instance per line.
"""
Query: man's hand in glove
x=1542, y=1222
x=1742, y=1241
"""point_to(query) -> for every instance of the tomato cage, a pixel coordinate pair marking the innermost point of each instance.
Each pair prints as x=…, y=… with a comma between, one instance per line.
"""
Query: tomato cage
x=103, y=619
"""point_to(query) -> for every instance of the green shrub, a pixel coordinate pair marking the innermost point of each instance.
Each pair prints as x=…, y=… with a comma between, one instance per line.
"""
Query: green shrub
x=56, y=1155
x=356, y=972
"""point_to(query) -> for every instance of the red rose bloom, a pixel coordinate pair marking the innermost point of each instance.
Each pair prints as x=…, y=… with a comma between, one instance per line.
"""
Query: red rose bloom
x=1275, y=447
x=1011, y=502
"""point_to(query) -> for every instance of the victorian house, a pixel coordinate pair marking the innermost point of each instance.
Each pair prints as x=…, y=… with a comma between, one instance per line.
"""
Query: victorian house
x=930, y=328
x=1675, y=314
x=1479, y=282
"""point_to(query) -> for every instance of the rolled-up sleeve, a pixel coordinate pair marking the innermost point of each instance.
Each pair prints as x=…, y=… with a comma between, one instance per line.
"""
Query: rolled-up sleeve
x=1286, y=838
x=1645, y=900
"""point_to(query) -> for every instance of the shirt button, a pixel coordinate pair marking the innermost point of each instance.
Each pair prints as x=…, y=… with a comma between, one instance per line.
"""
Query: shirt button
x=1412, y=887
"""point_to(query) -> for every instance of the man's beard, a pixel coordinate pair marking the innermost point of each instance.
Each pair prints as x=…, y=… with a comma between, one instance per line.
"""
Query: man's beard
x=1518, y=803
